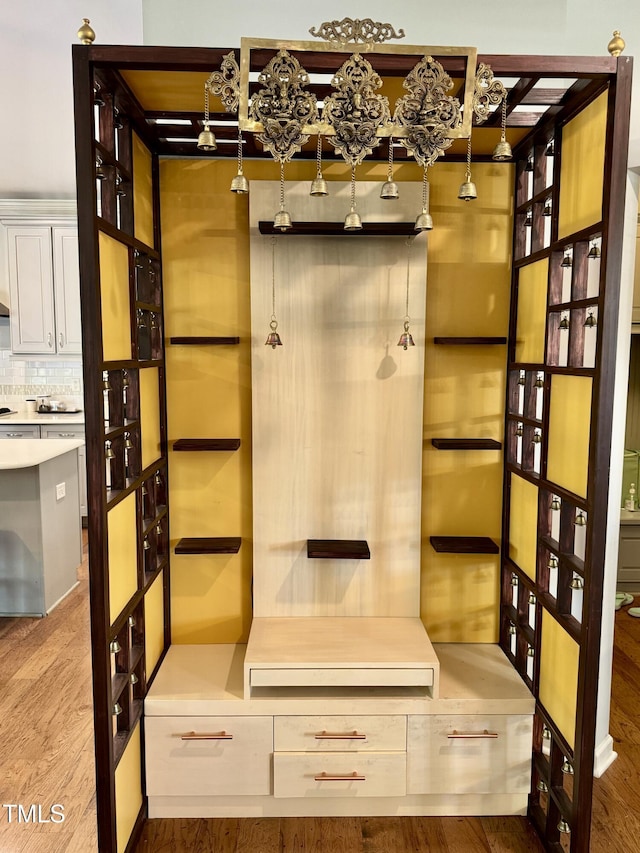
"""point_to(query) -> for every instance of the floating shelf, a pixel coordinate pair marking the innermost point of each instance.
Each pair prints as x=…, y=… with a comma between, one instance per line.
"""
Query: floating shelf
x=336, y=229
x=463, y=545
x=209, y=545
x=206, y=444
x=342, y=549
x=195, y=341
x=469, y=341
x=466, y=444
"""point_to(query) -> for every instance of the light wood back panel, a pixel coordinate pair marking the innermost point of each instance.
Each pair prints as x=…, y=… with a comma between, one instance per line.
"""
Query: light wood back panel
x=337, y=410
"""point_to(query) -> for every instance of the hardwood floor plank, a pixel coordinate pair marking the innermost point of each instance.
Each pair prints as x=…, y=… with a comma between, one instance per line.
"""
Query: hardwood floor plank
x=292, y=831
x=333, y=835
x=423, y=835
x=259, y=834
x=465, y=835
x=169, y=836
x=381, y=834
x=217, y=835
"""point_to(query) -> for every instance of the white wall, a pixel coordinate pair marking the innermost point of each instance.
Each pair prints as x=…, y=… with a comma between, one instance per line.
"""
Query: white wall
x=37, y=154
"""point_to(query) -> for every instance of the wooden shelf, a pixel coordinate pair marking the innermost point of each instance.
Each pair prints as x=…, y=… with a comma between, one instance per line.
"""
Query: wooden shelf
x=466, y=444
x=196, y=341
x=469, y=341
x=336, y=229
x=463, y=545
x=206, y=444
x=338, y=549
x=209, y=545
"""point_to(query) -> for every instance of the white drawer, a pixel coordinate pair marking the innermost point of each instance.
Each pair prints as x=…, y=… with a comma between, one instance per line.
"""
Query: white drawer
x=204, y=756
x=339, y=774
x=469, y=754
x=19, y=431
x=62, y=431
x=339, y=734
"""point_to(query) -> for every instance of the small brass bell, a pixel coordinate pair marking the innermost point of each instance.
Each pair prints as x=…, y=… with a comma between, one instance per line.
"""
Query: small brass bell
x=159, y=529
x=467, y=191
x=101, y=174
x=319, y=187
x=530, y=652
x=519, y=430
x=273, y=338
x=546, y=733
x=563, y=826
x=98, y=100
x=352, y=221
x=282, y=220
x=528, y=220
x=555, y=504
x=502, y=151
x=131, y=622
x=146, y=545
x=406, y=339
x=550, y=149
x=529, y=166
x=109, y=454
x=240, y=184
x=514, y=580
x=114, y=647
x=389, y=190
x=564, y=324
x=567, y=261
x=144, y=491
x=553, y=563
x=206, y=139
x=576, y=582
x=522, y=378
x=117, y=709
x=157, y=480
x=532, y=598
x=542, y=787
x=547, y=210
x=581, y=519
x=512, y=629
x=424, y=222
x=594, y=251
x=539, y=383
x=128, y=444
x=567, y=768
x=133, y=678
x=590, y=321
x=120, y=188
x=537, y=437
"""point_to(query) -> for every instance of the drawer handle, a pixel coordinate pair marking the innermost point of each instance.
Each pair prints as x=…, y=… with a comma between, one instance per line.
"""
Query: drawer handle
x=15, y=434
x=483, y=734
x=67, y=434
x=207, y=736
x=349, y=777
x=354, y=735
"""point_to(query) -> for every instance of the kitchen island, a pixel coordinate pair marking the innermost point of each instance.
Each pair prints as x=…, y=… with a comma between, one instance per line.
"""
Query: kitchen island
x=40, y=531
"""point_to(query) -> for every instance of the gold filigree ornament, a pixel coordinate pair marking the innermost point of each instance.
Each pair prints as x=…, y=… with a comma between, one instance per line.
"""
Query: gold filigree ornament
x=225, y=84
x=356, y=30
x=283, y=107
x=427, y=113
x=488, y=92
x=355, y=111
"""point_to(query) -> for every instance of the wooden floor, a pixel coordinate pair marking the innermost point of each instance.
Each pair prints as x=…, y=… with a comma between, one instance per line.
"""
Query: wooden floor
x=46, y=755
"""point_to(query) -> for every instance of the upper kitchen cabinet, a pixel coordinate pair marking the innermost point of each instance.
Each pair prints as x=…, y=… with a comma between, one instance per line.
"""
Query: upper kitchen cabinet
x=44, y=289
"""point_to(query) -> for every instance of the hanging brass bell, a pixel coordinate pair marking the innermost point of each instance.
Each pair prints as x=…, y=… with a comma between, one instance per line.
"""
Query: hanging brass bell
x=563, y=826
x=532, y=598
x=502, y=151
x=114, y=647
x=547, y=210
x=146, y=544
x=319, y=187
x=581, y=519
x=594, y=251
x=539, y=383
x=514, y=580
x=128, y=444
x=576, y=582
x=567, y=768
x=206, y=139
x=564, y=324
x=555, y=504
x=542, y=787
x=117, y=709
x=530, y=652
x=109, y=454
x=239, y=184
x=537, y=437
x=512, y=629
x=273, y=340
x=550, y=149
x=519, y=430
x=567, y=261
x=590, y=321
x=467, y=191
x=529, y=165
x=424, y=222
x=389, y=190
x=133, y=678
x=406, y=339
x=352, y=221
x=546, y=733
x=522, y=378
x=101, y=172
x=553, y=562
x=528, y=220
x=282, y=220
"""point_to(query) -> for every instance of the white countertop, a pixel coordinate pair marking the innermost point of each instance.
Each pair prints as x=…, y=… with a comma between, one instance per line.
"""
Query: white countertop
x=27, y=453
x=36, y=418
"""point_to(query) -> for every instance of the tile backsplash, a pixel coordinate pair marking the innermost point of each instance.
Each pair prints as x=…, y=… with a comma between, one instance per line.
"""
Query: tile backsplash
x=27, y=376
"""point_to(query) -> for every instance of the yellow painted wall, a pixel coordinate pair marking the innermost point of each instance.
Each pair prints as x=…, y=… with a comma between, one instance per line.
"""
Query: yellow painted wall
x=532, y=312
x=128, y=783
x=114, y=289
x=154, y=623
x=582, y=169
x=142, y=192
x=206, y=283
x=122, y=551
x=149, y=415
x=523, y=528
x=569, y=432
x=468, y=283
x=559, y=659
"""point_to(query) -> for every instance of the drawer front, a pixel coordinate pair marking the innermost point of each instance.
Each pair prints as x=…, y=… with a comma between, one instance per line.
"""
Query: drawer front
x=469, y=754
x=339, y=774
x=202, y=756
x=339, y=734
x=62, y=431
x=629, y=554
x=19, y=431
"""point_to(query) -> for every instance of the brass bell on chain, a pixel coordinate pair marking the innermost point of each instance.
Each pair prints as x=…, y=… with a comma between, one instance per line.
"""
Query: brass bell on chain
x=468, y=191
x=406, y=340
x=352, y=221
x=424, y=222
x=318, y=187
x=502, y=151
x=206, y=139
x=239, y=184
x=389, y=190
x=282, y=220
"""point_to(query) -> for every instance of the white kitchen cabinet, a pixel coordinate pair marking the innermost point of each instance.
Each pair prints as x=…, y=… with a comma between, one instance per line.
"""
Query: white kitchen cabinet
x=44, y=288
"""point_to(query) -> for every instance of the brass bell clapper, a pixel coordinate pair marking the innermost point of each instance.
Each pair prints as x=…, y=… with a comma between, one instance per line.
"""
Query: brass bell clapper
x=406, y=339
x=273, y=338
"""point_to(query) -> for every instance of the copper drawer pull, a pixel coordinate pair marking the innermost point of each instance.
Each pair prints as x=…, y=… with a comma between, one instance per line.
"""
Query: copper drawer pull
x=349, y=777
x=483, y=734
x=354, y=735
x=204, y=736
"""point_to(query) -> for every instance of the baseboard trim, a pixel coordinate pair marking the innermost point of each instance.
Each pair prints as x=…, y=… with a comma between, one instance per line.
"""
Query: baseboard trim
x=604, y=756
